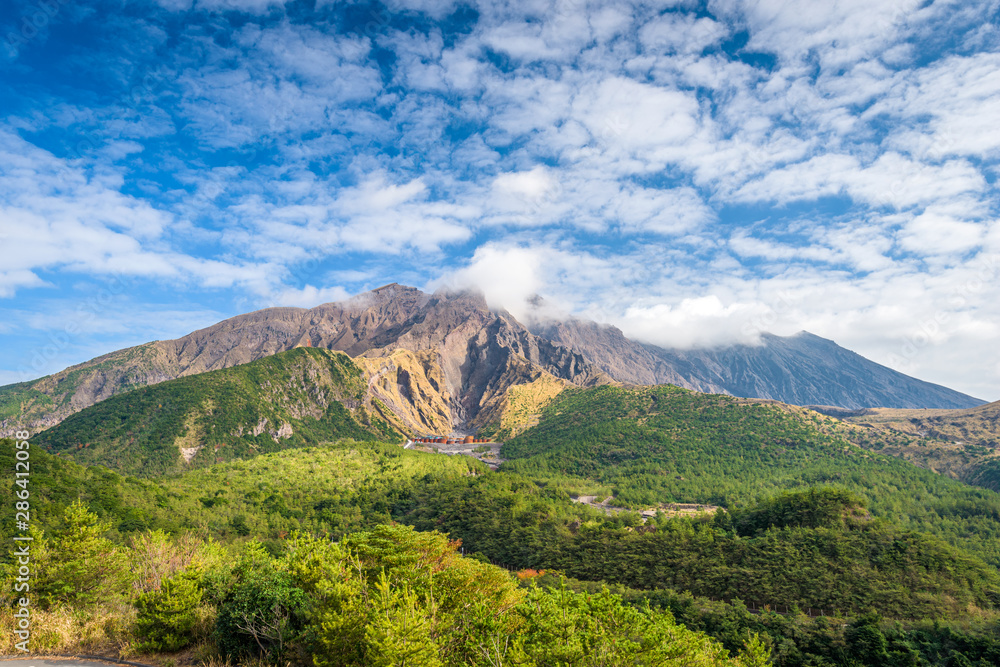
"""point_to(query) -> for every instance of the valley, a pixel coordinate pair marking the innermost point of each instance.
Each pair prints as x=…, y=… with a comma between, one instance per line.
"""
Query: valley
x=486, y=452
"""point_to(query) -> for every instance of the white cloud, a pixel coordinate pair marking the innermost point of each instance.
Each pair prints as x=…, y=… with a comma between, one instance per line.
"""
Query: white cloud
x=680, y=33
x=694, y=322
x=310, y=219
x=308, y=296
x=932, y=233
x=527, y=197
x=636, y=120
x=891, y=180
x=54, y=216
x=666, y=212
x=838, y=33
x=956, y=99
x=509, y=277
x=12, y=281
x=271, y=82
x=610, y=156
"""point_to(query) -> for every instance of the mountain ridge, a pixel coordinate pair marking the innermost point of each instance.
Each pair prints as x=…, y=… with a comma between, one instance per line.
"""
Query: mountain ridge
x=797, y=369
x=481, y=352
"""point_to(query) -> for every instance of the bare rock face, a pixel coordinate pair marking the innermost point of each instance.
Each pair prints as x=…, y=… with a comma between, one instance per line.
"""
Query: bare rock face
x=803, y=369
x=623, y=359
x=353, y=326
x=459, y=343
x=412, y=388
x=465, y=355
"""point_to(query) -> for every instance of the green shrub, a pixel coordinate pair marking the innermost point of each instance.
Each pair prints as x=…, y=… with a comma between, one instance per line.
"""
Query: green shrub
x=76, y=565
x=261, y=614
x=168, y=617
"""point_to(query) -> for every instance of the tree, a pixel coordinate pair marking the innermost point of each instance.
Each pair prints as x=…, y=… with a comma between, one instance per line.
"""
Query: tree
x=77, y=565
x=262, y=613
x=566, y=628
x=402, y=629
x=167, y=618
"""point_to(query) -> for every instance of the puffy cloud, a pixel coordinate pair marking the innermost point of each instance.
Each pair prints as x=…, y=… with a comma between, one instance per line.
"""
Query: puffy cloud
x=694, y=322
x=948, y=108
x=681, y=33
x=510, y=278
x=307, y=297
x=838, y=33
x=632, y=162
x=932, y=233
x=890, y=180
x=55, y=216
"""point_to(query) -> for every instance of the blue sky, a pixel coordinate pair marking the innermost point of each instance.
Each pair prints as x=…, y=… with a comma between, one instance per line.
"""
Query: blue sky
x=695, y=173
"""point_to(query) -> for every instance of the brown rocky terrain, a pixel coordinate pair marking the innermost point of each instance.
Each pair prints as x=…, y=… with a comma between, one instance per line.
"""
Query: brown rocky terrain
x=465, y=356
x=963, y=444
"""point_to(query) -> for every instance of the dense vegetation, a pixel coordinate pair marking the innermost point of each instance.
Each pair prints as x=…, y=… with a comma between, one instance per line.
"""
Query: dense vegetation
x=329, y=489
x=850, y=564
x=811, y=523
x=296, y=398
x=342, y=489
x=818, y=548
x=390, y=596
x=665, y=444
x=796, y=639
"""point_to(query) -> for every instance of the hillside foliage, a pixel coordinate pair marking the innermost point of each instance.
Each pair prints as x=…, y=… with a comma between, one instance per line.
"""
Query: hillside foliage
x=341, y=550
x=300, y=397
x=389, y=596
x=664, y=444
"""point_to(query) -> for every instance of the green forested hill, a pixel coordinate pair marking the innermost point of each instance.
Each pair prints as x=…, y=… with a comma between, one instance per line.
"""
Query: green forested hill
x=300, y=397
x=327, y=489
x=816, y=548
x=811, y=520
x=663, y=444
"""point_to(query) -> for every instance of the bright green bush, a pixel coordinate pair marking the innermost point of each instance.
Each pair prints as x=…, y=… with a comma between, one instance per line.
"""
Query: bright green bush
x=167, y=618
x=566, y=628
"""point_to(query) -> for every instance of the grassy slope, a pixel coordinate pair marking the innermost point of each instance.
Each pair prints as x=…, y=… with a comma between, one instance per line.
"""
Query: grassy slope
x=964, y=444
x=227, y=414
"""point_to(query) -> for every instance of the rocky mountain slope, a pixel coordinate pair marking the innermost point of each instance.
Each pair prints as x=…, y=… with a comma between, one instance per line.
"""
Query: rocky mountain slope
x=468, y=353
x=291, y=399
x=802, y=369
x=295, y=398
x=452, y=345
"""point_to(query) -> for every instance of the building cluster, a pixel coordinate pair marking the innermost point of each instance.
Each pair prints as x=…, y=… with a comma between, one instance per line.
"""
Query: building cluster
x=445, y=440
